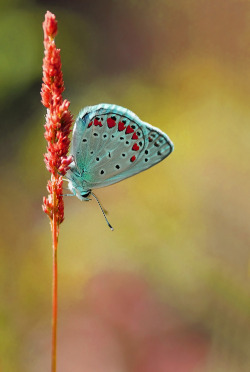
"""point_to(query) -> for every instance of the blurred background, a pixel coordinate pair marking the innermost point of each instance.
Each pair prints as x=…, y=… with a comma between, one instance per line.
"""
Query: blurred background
x=168, y=290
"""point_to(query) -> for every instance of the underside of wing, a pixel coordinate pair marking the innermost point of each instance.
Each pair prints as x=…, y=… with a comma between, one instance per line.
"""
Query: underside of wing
x=110, y=143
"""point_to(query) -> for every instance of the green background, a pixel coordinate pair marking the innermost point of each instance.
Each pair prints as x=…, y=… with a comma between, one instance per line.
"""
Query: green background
x=181, y=239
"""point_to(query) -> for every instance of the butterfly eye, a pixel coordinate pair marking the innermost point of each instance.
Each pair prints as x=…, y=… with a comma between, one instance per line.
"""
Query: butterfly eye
x=86, y=195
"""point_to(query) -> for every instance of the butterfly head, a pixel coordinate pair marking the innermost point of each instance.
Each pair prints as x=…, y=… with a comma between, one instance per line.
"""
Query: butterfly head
x=76, y=185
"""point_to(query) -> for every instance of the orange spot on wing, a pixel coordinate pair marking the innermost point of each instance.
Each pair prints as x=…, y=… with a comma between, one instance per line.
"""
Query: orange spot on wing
x=134, y=137
x=121, y=126
x=111, y=123
x=96, y=123
x=129, y=130
x=135, y=147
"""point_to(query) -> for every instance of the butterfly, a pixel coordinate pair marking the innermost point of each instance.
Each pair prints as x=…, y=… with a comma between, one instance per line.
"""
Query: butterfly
x=109, y=144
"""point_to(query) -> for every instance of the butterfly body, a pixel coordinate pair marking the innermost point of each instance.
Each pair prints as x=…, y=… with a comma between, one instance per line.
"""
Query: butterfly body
x=110, y=143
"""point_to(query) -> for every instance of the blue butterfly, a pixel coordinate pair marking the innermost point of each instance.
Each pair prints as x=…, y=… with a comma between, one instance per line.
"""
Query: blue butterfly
x=110, y=143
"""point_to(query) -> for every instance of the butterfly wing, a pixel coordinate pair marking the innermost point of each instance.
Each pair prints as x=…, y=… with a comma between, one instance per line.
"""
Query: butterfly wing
x=110, y=143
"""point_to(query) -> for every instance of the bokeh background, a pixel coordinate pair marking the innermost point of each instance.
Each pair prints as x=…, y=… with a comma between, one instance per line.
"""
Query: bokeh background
x=168, y=290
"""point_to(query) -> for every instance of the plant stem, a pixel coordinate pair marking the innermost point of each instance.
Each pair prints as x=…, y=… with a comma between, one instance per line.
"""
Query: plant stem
x=57, y=129
x=55, y=227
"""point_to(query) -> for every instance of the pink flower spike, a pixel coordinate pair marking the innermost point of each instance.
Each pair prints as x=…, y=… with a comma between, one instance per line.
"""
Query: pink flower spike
x=50, y=25
x=58, y=120
x=57, y=129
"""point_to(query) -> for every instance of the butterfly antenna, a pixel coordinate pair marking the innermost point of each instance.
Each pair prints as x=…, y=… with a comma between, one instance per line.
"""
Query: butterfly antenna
x=111, y=228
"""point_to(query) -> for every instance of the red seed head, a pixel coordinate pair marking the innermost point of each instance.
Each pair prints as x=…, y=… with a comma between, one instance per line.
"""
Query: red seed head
x=50, y=25
x=58, y=120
